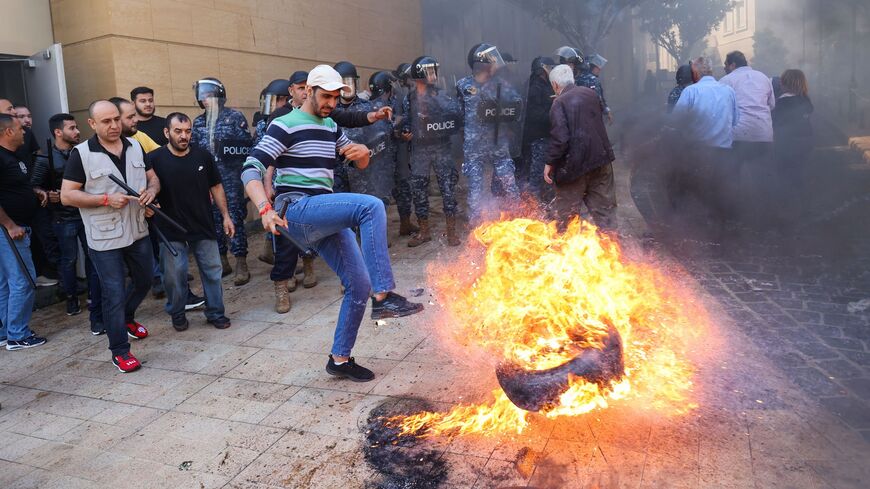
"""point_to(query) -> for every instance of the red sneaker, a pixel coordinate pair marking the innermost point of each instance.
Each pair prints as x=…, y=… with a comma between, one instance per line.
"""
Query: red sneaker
x=126, y=363
x=136, y=331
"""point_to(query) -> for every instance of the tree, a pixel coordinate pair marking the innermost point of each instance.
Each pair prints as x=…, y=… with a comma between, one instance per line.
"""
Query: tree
x=770, y=53
x=679, y=26
x=584, y=23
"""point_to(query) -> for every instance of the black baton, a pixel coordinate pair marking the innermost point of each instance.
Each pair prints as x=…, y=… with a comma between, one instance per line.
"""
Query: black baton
x=153, y=207
x=18, y=257
x=151, y=226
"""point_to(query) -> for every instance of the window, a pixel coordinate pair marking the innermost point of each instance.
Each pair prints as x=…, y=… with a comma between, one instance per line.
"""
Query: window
x=741, y=22
x=728, y=23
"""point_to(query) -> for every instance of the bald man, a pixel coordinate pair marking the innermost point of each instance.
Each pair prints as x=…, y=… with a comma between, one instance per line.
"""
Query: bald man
x=114, y=222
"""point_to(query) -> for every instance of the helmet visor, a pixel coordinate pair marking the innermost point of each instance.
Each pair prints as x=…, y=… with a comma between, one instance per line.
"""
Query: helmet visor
x=207, y=88
x=351, y=91
x=270, y=102
x=429, y=72
x=491, y=56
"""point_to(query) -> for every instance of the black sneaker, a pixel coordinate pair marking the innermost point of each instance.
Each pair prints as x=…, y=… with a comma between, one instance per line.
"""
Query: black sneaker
x=97, y=329
x=349, y=370
x=394, y=306
x=31, y=342
x=72, y=306
x=180, y=322
x=222, y=322
x=193, y=301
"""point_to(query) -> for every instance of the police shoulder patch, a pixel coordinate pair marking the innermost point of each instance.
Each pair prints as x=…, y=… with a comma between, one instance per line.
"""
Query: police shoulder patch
x=472, y=90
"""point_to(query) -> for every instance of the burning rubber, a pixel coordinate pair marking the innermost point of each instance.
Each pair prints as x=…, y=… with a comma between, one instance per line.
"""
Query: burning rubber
x=539, y=390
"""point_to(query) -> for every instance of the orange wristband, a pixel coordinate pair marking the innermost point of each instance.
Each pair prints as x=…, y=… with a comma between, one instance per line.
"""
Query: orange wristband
x=105, y=199
x=265, y=209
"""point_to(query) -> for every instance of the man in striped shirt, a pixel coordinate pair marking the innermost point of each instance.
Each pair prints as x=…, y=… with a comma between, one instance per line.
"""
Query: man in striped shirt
x=302, y=146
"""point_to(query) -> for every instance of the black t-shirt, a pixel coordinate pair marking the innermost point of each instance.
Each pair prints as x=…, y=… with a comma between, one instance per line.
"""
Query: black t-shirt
x=16, y=195
x=153, y=127
x=185, y=182
x=75, y=172
x=27, y=151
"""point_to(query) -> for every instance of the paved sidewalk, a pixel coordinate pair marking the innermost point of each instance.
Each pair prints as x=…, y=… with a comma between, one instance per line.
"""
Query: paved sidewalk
x=252, y=408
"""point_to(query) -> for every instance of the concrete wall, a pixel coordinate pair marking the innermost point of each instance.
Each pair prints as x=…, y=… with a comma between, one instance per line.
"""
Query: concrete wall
x=112, y=46
x=27, y=27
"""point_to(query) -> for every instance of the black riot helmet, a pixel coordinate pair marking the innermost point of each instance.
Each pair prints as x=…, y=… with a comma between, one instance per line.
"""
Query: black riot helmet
x=569, y=55
x=425, y=68
x=542, y=64
x=403, y=71
x=380, y=82
x=484, y=53
x=349, y=76
x=346, y=69
x=271, y=96
x=209, y=87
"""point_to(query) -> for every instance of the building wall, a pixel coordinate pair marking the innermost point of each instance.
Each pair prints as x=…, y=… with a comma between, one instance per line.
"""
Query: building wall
x=27, y=27
x=112, y=46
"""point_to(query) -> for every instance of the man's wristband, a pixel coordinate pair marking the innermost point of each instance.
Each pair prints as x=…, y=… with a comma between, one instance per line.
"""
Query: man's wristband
x=266, y=208
x=105, y=200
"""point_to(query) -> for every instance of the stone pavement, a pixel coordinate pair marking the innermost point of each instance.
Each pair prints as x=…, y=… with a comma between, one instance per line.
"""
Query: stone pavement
x=252, y=408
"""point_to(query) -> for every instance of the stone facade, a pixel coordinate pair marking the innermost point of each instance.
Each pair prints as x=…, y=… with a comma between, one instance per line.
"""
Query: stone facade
x=112, y=46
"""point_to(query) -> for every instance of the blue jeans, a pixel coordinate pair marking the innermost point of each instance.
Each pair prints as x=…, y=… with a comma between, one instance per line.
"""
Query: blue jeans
x=120, y=301
x=16, y=293
x=323, y=223
x=71, y=233
x=208, y=259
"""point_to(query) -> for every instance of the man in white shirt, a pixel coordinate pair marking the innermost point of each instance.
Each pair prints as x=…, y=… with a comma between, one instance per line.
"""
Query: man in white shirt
x=755, y=100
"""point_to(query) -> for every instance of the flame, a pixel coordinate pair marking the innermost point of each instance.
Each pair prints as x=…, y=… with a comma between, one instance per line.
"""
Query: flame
x=541, y=297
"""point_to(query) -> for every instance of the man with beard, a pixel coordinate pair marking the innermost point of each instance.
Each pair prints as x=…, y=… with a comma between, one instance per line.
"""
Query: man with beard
x=129, y=125
x=114, y=223
x=224, y=133
x=146, y=121
x=24, y=116
x=129, y=129
x=67, y=221
x=302, y=147
x=190, y=181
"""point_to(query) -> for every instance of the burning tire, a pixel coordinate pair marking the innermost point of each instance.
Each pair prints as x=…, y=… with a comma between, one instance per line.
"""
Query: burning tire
x=537, y=390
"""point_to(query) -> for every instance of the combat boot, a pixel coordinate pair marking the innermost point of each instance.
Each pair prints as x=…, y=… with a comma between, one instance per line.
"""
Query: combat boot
x=452, y=237
x=282, y=297
x=225, y=265
x=405, y=226
x=310, y=279
x=422, y=236
x=243, y=276
x=267, y=256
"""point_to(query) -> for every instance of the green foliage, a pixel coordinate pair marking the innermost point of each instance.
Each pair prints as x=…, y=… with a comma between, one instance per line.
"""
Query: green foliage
x=679, y=26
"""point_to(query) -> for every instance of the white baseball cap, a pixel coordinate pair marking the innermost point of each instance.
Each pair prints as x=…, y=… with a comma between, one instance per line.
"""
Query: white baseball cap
x=325, y=77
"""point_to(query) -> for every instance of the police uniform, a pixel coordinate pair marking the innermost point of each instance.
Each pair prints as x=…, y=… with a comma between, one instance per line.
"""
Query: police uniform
x=401, y=175
x=349, y=179
x=479, y=104
x=230, y=146
x=431, y=148
x=590, y=80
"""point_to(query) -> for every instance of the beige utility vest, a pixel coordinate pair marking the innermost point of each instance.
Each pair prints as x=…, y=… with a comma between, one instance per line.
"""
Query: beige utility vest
x=108, y=228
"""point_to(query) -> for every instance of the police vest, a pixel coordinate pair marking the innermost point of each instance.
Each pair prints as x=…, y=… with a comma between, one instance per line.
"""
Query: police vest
x=108, y=228
x=490, y=112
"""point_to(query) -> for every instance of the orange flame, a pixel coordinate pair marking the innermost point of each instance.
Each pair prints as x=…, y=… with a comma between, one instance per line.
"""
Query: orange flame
x=540, y=298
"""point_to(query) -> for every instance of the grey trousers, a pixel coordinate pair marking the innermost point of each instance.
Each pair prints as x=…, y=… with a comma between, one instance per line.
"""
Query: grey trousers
x=595, y=189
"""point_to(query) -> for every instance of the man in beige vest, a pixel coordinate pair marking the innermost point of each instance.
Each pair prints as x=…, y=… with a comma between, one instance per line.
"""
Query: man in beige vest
x=114, y=222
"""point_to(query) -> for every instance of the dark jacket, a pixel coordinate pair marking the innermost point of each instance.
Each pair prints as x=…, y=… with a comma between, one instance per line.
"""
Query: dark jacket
x=51, y=180
x=540, y=99
x=578, y=138
x=792, y=130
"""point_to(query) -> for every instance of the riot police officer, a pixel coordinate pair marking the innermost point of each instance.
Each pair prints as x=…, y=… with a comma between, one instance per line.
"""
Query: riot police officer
x=590, y=79
x=275, y=95
x=402, y=188
x=224, y=133
x=433, y=118
x=350, y=179
x=491, y=109
x=383, y=87
x=573, y=57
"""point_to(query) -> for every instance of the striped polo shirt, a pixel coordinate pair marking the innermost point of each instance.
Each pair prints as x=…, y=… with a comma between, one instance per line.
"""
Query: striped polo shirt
x=303, y=150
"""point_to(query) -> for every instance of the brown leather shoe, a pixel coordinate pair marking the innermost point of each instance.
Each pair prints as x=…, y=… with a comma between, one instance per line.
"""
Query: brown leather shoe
x=243, y=276
x=424, y=235
x=282, y=297
x=310, y=279
x=452, y=237
x=405, y=226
